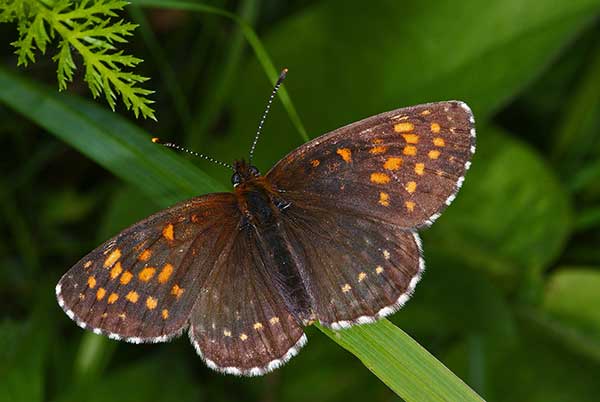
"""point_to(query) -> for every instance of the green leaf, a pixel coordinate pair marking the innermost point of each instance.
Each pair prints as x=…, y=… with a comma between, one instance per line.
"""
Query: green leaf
x=66, y=65
x=86, y=27
x=401, y=363
x=120, y=147
x=573, y=296
x=539, y=369
x=536, y=216
x=473, y=304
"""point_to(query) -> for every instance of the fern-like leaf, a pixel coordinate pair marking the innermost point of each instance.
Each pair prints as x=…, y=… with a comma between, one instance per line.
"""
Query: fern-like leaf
x=89, y=28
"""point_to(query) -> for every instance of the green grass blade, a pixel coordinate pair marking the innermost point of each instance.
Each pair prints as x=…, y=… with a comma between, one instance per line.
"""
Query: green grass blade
x=254, y=42
x=400, y=362
x=108, y=139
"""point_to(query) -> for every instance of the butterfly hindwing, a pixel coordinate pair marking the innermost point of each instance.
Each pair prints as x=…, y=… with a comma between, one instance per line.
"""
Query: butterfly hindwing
x=140, y=286
x=403, y=166
x=356, y=269
x=241, y=324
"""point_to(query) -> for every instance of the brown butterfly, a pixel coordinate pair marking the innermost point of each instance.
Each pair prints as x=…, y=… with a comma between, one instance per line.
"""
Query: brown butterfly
x=328, y=235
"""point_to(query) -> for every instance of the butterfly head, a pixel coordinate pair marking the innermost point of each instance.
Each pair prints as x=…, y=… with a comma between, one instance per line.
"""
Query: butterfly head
x=243, y=172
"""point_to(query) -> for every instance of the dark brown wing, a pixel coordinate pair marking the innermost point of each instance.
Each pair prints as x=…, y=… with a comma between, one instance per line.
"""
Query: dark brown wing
x=241, y=324
x=402, y=167
x=141, y=285
x=354, y=198
x=356, y=269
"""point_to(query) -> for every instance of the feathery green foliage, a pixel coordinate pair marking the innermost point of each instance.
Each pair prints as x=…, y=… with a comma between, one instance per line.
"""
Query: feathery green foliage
x=89, y=28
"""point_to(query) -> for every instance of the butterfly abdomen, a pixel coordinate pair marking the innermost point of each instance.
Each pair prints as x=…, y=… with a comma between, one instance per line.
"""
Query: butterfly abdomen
x=262, y=209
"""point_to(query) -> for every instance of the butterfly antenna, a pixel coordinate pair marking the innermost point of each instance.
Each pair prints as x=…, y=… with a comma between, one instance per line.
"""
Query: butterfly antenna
x=266, y=112
x=157, y=140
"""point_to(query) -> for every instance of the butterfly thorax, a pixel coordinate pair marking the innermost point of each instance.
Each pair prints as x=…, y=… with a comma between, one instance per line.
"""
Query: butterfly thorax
x=257, y=199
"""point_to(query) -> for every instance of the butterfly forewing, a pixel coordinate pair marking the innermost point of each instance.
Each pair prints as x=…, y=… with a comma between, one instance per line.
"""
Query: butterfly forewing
x=403, y=166
x=141, y=285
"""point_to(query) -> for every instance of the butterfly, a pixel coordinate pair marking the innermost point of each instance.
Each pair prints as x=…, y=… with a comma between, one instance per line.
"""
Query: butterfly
x=328, y=235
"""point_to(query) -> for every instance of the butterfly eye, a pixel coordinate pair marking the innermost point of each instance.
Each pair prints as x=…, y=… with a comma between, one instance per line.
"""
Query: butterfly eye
x=236, y=179
x=253, y=171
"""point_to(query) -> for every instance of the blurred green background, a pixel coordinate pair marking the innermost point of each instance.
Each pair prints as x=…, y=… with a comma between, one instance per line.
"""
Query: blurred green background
x=510, y=301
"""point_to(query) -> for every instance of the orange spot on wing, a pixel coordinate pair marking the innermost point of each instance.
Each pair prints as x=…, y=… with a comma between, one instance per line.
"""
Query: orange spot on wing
x=380, y=178
x=112, y=258
x=113, y=298
x=165, y=314
x=126, y=277
x=274, y=320
x=439, y=142
x=411, y=186
x=116, y=270
x=165, y=273
x=410, y=150
x=380, y=149
x=384, y=199
x=435, y=128
x=87, y=264
x=146, y=274
x=100, y=293
x=345, y=153
x=393, y=163
x=177, y=291
x=145, y=256
x=346, y=288
x=404, y=127
x=419, y=168
x=425, y=112
x=151, y=303
x=411, y=138
x=243, y=337
x=315, y=163
x=433, y=154
x=410, y=205
x=168, y=232
x=91, y=282
x=132, y=296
